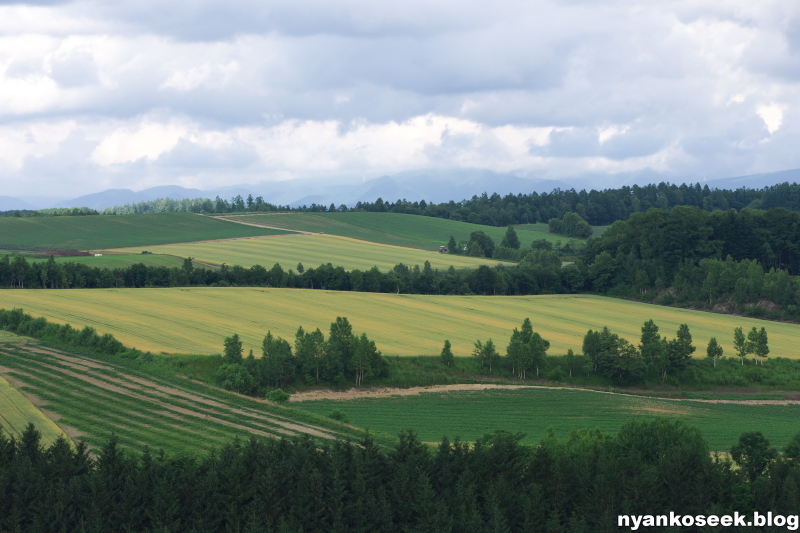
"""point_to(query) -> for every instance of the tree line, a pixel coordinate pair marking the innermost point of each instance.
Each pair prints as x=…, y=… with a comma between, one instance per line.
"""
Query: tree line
x=538, y=272
x=615, y=360
x=86, y=339
x=578, y=483
x=597, y=207
x=343, y=358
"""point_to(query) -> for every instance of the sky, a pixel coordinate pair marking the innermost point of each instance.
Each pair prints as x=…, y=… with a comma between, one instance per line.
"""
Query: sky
x=139, y=93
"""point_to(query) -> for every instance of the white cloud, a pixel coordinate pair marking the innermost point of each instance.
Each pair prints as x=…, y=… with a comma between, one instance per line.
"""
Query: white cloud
x=772, y=116
x=207, y=92
x=146, y=140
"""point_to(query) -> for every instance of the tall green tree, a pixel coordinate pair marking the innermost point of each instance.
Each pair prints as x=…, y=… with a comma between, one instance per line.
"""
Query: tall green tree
x=614, y=357
x=740, y=343
x=339, y=349
x=452, y=247
x=757, y=343
x=714, y=350
x=309, y=349
x=510, y=239
x=753, y=454
x=526, y=350
x=277, y=361
x=650, y=345
x=232, y=349
x=447, y=354
x=486, y=353
x=366, y=359
x=681, y=349
x=478, y=240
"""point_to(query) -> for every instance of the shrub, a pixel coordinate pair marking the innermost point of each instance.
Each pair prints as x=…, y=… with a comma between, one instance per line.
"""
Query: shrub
x=278, y=396
x=338, y=414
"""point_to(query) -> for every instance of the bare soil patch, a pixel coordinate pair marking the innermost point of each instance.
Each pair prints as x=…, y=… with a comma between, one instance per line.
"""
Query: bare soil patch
x=386, y=392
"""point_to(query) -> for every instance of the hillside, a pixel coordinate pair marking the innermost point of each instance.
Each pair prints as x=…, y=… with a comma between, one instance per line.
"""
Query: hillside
x=412, y=231
x=94, y=232
x=93, y=399
x=195, y=320
x=312, y=251
x=530, y=411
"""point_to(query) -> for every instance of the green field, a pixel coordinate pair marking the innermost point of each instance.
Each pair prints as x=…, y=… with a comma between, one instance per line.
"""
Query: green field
x=106, y=231
x=98, y=398
x=17, y=411
x=195, y=320
x=412, y=231
x=312, y=251
x=125, y=260
x=470, y=415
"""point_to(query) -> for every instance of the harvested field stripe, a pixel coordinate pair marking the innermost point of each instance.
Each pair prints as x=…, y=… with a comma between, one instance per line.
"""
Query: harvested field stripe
x=134, y=400
x=196, y=320
x=134, y=390
x=312, y=251
x=98, y=399
x=16, y=411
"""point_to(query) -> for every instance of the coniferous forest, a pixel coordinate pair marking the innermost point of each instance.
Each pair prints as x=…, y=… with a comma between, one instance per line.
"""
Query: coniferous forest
x=580, y=483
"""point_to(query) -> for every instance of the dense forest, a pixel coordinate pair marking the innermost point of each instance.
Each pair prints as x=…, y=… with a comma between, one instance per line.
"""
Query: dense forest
x=744, y=261
x=579, y=484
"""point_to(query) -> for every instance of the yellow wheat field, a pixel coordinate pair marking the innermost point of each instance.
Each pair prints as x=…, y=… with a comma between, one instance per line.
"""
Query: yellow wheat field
x=16, y=411
x=312, y=251
x=195, y=320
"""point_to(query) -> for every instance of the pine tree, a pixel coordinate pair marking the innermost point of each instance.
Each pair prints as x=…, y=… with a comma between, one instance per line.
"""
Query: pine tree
x=510, y=240
x=452, y=247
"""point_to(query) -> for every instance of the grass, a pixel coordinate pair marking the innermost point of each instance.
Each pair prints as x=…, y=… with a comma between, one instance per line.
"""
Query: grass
x=412, y=231
x=470, y=415
x=95, y=232
x=312, y=251
x=195, y=320
x=16, y=412
x=163, y=411
x=126, y=260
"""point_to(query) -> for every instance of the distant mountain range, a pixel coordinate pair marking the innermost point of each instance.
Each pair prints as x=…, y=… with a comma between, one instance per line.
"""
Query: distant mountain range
x=432, y=186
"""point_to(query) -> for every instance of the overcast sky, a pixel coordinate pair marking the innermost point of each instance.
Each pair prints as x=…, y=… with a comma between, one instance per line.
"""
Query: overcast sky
x=138, y=93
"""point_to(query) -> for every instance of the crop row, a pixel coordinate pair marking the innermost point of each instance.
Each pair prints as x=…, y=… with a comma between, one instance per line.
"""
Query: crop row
x=312, y=251
x=98, y=401
x=16, y=411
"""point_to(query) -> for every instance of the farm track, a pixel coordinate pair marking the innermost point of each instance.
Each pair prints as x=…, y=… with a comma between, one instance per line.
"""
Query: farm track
x=213, y=240
x=91, y=395
x=387, y=392
x=235, y=219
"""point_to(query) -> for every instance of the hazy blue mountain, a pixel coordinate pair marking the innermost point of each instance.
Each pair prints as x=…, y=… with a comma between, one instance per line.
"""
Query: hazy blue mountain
x=756, y=181
x=8, y=203
x=430, y=185
x=112, y=197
